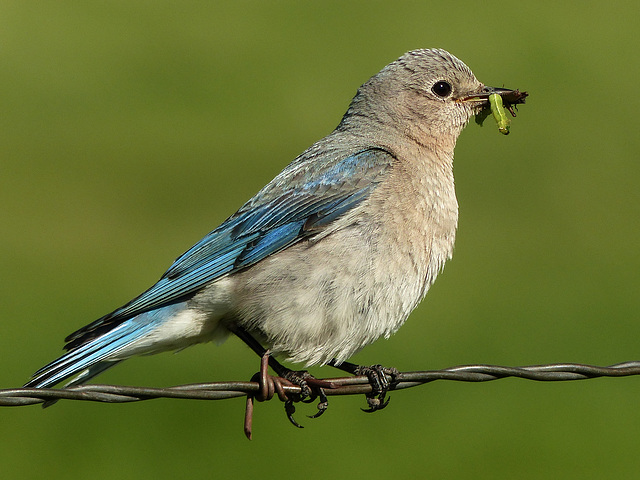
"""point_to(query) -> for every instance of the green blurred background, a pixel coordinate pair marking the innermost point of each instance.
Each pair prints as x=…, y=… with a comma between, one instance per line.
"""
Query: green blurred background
x=129, y=129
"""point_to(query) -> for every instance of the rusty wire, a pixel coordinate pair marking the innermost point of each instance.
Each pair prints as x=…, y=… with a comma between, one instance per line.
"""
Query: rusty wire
x=341, y=386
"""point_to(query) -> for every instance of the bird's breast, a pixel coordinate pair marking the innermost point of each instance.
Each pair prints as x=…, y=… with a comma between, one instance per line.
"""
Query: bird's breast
x=330, y=295
x=418, y=215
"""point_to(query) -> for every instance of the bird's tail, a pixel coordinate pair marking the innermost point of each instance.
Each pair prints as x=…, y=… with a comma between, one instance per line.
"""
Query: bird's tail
x=87, y=360
x=98, y=354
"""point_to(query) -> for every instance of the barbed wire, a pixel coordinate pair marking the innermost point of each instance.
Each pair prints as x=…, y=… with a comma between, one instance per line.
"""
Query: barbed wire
x=342, y=386
x=285, y=390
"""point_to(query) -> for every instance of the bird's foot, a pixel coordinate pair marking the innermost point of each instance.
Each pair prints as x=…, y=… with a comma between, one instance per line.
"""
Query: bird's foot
x=311, y=389
x=381, y=379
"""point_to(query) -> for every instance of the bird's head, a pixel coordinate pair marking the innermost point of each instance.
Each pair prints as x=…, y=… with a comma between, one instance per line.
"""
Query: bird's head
x=425, y=92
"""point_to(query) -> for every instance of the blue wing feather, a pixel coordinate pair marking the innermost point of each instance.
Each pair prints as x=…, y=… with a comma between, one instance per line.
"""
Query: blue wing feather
x=282, y=213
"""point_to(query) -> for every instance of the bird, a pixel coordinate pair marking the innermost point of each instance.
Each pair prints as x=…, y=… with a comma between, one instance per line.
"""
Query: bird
x=332, y=254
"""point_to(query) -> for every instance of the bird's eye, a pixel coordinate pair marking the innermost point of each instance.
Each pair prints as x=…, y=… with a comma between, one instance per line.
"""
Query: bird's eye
x=441, y=88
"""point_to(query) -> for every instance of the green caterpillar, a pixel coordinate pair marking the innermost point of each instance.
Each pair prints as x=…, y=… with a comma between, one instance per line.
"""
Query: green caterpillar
x=495, y=100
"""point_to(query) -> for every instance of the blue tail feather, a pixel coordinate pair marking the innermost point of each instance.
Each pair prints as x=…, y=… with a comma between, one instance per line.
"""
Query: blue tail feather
x=95, y=356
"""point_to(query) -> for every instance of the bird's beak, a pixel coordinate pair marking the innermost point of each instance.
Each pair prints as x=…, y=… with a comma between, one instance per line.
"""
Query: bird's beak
x=509, y=97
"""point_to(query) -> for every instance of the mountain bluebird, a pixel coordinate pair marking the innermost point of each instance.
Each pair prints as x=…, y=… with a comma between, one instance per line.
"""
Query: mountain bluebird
x=332, y=254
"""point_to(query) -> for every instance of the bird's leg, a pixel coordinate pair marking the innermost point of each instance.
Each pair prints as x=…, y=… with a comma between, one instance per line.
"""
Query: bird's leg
x=310, y=387
x=378, y=379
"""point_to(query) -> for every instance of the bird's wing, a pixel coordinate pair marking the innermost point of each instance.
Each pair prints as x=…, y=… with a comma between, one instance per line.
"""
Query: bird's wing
x=302, y=200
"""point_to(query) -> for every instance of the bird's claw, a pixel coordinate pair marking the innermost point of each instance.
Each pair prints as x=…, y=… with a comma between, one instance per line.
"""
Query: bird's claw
x=381, y=379
x=290, y=409
x=311, y=389
x=376, y=403
x=380, y=384
x=323, y=404
x=300, y=378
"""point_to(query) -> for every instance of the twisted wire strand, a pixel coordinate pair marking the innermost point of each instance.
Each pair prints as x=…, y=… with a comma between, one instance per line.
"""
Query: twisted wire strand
x=343, y=386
